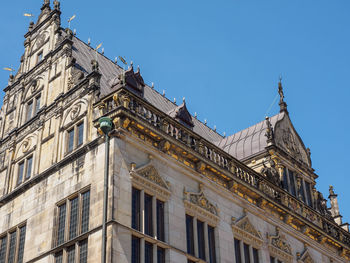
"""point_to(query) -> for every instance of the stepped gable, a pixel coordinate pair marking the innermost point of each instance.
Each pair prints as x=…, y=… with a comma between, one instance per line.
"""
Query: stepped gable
x=83, y=54
x=249, y=141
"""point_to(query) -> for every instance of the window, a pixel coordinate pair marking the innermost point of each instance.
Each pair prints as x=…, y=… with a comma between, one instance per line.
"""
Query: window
x=24, y=169
x=39, y=57
x=201, y=241
x=308, y=193
x=148, y=220
x=274, y=260
x=12, y=245
x=72, y=221
x=245, y=253
x=75, y=137
x=33, y=107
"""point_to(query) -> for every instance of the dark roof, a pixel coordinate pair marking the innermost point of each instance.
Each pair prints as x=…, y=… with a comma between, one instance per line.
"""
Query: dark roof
x=249, y=141
x=83, y=54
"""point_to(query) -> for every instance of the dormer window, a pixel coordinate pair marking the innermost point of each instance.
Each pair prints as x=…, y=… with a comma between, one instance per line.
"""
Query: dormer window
x=33, y=107
x=39, y=57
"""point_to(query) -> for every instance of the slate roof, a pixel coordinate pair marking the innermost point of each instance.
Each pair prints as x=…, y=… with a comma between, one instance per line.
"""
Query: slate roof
x=83, y=54
x=249, y=141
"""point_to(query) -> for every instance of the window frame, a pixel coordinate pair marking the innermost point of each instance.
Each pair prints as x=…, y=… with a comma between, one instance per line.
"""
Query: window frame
x=25, y=176
x=39, y=56
x=34, y=109
x=67, y=223
x=76, y=135
x=7, y=235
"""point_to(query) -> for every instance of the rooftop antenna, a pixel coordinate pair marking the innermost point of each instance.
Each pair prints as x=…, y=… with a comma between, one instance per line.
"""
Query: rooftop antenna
x=70, y=20
x=29, y=15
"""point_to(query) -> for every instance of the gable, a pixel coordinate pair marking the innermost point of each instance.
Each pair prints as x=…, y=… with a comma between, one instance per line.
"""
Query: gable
x=288, y=139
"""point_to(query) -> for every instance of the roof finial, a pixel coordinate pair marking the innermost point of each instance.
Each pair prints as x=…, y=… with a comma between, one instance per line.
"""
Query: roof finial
x=152, y=85
x=282, y=103
x=175, y=100
x=89, y=41
x=184, y=100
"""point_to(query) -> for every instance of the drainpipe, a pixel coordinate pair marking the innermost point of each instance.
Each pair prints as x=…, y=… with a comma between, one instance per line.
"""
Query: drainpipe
x=106, y=126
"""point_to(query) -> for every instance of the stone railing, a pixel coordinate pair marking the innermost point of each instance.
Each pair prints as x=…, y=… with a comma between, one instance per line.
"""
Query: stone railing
x=239, y=172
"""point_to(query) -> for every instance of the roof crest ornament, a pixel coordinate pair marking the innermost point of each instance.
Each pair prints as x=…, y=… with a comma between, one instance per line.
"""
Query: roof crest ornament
x=282, y=103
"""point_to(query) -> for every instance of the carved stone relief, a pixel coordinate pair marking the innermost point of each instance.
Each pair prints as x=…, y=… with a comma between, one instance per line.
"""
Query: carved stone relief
x=279, y=247
x=305, y=256
x=245, y=230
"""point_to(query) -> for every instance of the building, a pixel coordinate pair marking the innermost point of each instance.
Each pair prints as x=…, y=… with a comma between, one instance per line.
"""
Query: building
x=178, y=191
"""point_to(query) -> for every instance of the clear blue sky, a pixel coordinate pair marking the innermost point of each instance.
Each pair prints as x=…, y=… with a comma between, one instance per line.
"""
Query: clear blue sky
x=225, y=57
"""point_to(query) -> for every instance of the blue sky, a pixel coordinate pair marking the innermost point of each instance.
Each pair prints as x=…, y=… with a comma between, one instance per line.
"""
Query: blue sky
x=225, y=57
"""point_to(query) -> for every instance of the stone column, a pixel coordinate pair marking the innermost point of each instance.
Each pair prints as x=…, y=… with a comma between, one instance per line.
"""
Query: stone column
x=142, y=208
x=154, y=216
x=241, y=247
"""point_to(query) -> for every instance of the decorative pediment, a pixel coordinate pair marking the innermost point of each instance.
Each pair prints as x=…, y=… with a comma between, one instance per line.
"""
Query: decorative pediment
x=147, y=177
x=279, y=248
x=245, y=230
x=74, y=113
x=288, y=139
x=305, y=257
x=181, y=114
x=198, y=204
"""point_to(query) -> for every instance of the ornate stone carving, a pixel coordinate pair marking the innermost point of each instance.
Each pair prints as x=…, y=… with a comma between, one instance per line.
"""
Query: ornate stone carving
x=200, y=200
x=305, y=256
x=147, y=177
x=271, y=172
x=198, y=205
x=279, y=247
x=40, y=40
x=74, y=78
x=244, y=229
x=26, y=145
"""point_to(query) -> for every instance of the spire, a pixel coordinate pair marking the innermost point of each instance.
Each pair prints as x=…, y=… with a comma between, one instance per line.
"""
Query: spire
x=333, y=198
x=282, y=103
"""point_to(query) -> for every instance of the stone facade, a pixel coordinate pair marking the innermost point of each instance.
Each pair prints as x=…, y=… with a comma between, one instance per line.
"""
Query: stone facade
x=52, y=153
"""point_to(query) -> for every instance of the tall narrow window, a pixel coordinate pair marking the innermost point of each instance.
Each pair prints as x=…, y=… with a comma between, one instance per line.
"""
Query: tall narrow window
x=12, y=249
x=37, y=104
x=285, y=179
x=135, y=247
x=308, y=193
x=302, y=192
x=148, y=215
x=272, y=259
x=160, y=255
x=73, y=222
x=135, y=221
x=3, y=246
x=85, y=212
x=160, y=220
x=29, y=110
x=71, y=254
x=29, y=167
x=292, y=183
x=80, y=133
x=39, y=57
x=246, y=253
x=189, y=235
x=83, y=251
x=211, y=241
x=59, y=257
x=70, y=140
x=61, y=223
x=255, y=255
x=201, y=240
x=12, y=245
x=22, y=236
x=238, y=251
x=20, y=173
x=148, y=252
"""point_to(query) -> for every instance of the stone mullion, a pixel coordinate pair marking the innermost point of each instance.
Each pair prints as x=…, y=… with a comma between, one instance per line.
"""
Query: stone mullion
x=142, y=250
x=142, y=208
x=251, y=257
x=155, y=259
x=241, y=248
x=154, y=216
x=195, y=236
x=206, y=241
